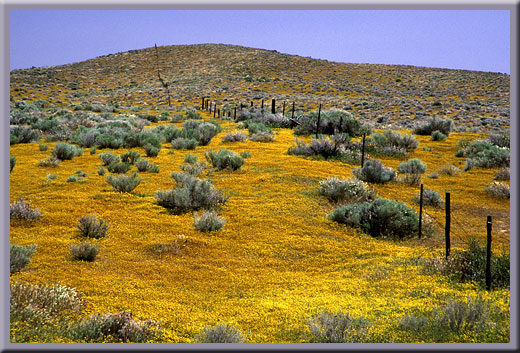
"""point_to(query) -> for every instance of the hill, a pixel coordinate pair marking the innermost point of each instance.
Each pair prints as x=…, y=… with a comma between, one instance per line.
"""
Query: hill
x=388, y=94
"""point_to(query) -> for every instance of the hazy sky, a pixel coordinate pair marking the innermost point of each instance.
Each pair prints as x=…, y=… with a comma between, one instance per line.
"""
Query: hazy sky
x=470, y=39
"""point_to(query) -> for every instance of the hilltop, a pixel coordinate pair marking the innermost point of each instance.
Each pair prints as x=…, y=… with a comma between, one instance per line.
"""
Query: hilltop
x=393, y=95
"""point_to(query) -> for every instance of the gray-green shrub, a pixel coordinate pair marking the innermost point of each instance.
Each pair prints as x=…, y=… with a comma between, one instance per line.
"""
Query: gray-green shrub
x=190, y=158
x=108, y=158
x=130, y=157
x=84, y=251
x=12, y=162
x=438, y=136
x=338, y=327
x=64, y=151
x=430, y=198
x=498, y=189
x=374, y=171
x=208, y=221
x=346, y=190
x=182, y=143
x=236, y=136
x=119, y=168
x=224, y=159
x=412, y=166
x=124, y=183
x=151, y=150
x=434, y=124
x=20, y=256
x=502, y=174
x=22, y=209
x=92, y=227
x=221, y=333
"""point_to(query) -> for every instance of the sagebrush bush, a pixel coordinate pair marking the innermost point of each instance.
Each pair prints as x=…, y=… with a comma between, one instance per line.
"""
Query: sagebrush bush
x=325, y=147
x=332, y=121
x=101, y=171
x=434, y=124
x=49, y=162
x=22, y=209
x=142, y=165
x=73, y=178
x=412, y=166
x=92, y=227
x=245, y=154
x=190, y=158
x=236, y=136
x=339, y=327
x=346, y=190
x=12, y=162
x=191, y=194
x=64, y=151
x=208, y=221
x=84, y=251
x=449, y=169
x=119, y=327
x=481, y=153
x=254, y=128
x=119, y=168
x=438, y=136
x=130, y=157
x=262, y=136
x=430, y=198
x=458, y=315
x=43, y=147
x=500, y=139
x=20, y=134
x=470, y=265
x=221, y=333
x=195, y=169
x=224, y=159
x=172, y=247
x=502, y=174
x=152, y=168
x=379, y=218
x=108, y=158
x=390, y=139
x=374, y=171
x=498, y=189
x=125, y=182
x=182, y=143
x=151, y=150
x=20, y=256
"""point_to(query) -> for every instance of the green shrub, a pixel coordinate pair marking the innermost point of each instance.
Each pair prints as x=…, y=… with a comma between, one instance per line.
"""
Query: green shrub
x=500, y=140
x=92, y=227
x=182, y=143
x=346, y=190
x=151, y=151
x=325, y=147
x=254, y=128
x=413, y=166
x=379, y=218
x=93, y=150
x=339, y=327
x=190, y=158
x=152, y=168
x=438, y=136
x=236, y=136
x=84, y=251
x=221, y=333
x=119, y=168
x=119, y=327
x=449, y=169
x=108, y=158
x=20, y=256
x=224, y=159
x=124, y=183
x=208, y=221
x=430, y=198
x=331, y=121
x=130, y=157
x=191, y=194
x=459, y=153
x=502, y=174
x=52, y=177
x=194, y=169
x=245, y=154
x=43, y=147
x=22, y=209
x=434, y=124
x=20, y=134
x=12, y=162
x=374, y=171
x=142, y=165
x=484, y=154
x=101, y=171
x=64, y=151
x=73, y=178
x=80, y=173
x=498, y=189
x=456, y=316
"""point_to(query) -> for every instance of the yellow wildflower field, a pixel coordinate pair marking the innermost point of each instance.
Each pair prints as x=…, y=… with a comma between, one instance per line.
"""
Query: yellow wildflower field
x=277, y=261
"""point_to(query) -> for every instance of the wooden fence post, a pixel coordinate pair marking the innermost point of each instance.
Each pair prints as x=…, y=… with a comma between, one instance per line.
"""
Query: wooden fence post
x=318, y=124
x=283, y=109
x=251, y=103
x=214, y=109
x=235, y=114
x=420, y=211
x=210, y=105
x=363, y=152
x=262, y=105
x=273, y=107
x=292, y=116
x=447, y=226
x=488, y=254
x=202, y=105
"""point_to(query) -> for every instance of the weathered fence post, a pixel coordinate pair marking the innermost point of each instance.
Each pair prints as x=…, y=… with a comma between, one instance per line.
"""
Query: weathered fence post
x=292, y=116
x=488, y=254
x=218, y=113
x=363, y=152
x=214, y=109
x=273, y=106
x=202, y=105
x=283, y=109
x=447, y=226
x=235, y=114
x=210, y=105
x=318, y=124
x=420, y=211
x=262, y=105
x=251, y=103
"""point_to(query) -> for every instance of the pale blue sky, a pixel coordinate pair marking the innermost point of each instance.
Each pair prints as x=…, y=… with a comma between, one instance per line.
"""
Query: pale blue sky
x=457, y=39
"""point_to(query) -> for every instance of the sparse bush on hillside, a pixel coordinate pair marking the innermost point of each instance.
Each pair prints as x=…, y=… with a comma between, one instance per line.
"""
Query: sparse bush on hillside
x=412, y=166
x=221, y=333
x=325, y=147
x=64, y=151
x=119, y=168
x=49, y=162
x=12, y=162
x=500, y=140
x=502, y=174
x=234, y=137
x=142, y=165
x=434, y=124
x=84, y=251
x=130, y=157
x=374, y=171
x=481, y=153
x=172, y=247
x=262, y=136
x=498, y=189
x=391, y=140
x=430, y=198
x=151, y=151
x=346, y=190
x=195, y=169
x=92, y=227
x=191, y=194
x=20, y=134
x=190, y=158
x=182, y=143
x=379, y=218
x=339, y=327
x=20, y=256
x=22, y=209
x=208, y=221
x=438, y=136
x=254, y=115
x=224, y=159
x=108, y=158
x=124, y=183
x=331, y=122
